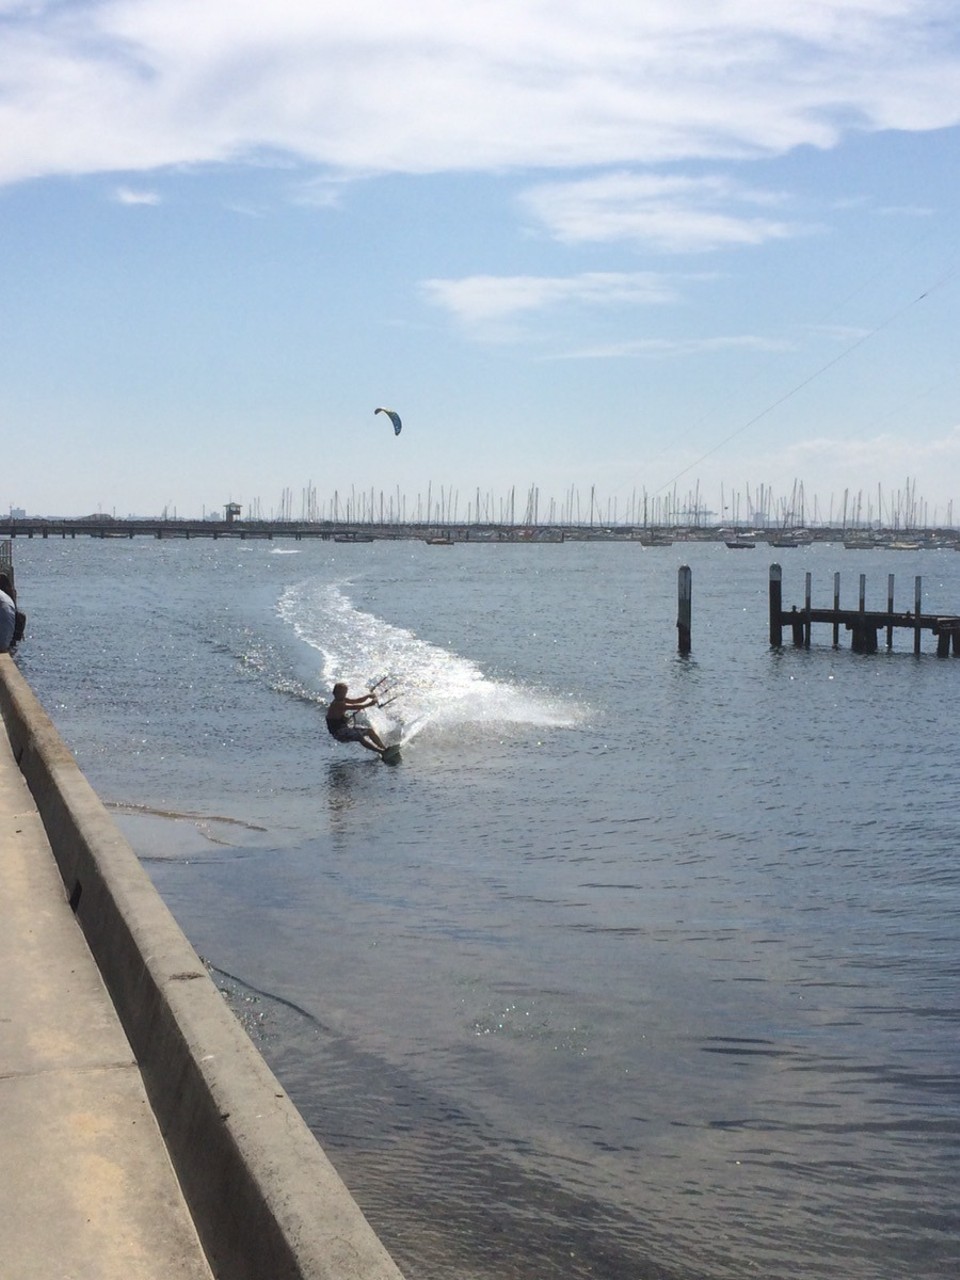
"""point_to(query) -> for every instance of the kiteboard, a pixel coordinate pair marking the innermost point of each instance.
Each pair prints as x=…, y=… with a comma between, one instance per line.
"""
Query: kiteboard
x=392, y=754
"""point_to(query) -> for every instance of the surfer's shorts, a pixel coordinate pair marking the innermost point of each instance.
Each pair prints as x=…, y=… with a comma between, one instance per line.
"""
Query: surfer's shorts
x=351, y=733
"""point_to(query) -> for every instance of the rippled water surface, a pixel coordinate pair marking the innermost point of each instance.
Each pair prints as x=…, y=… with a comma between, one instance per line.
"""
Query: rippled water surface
x=636, y=966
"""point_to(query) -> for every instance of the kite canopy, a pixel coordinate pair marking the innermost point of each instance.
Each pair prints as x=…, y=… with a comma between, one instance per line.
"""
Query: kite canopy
x=394, y=418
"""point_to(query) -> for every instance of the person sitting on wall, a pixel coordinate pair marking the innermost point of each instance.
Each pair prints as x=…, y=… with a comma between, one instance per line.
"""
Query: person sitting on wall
x=20, y=619
x=8, y=620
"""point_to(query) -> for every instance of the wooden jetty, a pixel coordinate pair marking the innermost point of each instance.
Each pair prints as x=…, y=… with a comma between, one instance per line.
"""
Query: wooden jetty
x=864, y=625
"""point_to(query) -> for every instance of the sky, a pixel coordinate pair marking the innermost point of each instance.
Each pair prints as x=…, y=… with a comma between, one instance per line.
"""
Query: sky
x=612, y=256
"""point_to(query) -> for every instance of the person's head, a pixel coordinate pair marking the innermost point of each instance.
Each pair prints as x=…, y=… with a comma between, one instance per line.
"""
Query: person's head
x=340, y=690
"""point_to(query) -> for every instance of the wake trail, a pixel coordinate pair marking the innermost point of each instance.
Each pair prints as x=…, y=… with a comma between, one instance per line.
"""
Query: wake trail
x=433, y=687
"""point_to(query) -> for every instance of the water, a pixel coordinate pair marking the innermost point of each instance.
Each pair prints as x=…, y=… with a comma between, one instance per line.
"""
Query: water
x=637, y=966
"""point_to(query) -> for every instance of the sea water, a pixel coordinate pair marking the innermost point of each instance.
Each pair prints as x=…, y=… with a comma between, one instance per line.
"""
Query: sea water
x=636, y=966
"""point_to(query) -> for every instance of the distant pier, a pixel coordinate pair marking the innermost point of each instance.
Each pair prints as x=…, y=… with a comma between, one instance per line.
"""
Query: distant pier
x=445, y=532
x=864, y=625
x=352, y=531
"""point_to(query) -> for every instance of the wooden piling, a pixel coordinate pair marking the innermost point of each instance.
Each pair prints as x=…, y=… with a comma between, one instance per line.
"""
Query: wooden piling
x=776, y=605
x=684, y=608
x=858, y=636
x=890, y=610
x=796, y=622
x=807, y=605
x=917, y=596
x=836, y=609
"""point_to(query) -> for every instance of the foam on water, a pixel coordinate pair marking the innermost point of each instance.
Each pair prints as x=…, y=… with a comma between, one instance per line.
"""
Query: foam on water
x=431, y=686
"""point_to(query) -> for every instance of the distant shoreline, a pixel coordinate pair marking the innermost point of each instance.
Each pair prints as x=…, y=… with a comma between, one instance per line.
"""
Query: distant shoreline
x=102, y=526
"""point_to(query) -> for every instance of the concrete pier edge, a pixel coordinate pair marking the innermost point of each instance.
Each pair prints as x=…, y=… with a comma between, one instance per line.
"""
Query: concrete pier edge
x=265, y=1199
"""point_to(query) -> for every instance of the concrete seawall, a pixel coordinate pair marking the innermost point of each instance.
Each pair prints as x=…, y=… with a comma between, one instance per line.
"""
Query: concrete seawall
x=266, y=1202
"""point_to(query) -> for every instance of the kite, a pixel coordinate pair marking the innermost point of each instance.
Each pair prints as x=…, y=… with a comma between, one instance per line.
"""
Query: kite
x=394, y=418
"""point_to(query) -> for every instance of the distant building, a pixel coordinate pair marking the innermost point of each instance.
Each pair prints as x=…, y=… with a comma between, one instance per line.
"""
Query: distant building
x=17, y=513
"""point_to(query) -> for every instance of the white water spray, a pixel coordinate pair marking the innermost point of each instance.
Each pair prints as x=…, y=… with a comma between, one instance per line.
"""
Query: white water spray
x=434, y=688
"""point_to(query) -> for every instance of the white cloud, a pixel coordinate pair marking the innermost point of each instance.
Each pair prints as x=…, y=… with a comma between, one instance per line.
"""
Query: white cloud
x=425, y=85
x=827, y=465
x=672, y=213
x=126, y=195
x=906, y=211
x=323, y=192
x=888, y=455
x=830, y=464
x=488, y=304
x=845, y=334
x=662, y=348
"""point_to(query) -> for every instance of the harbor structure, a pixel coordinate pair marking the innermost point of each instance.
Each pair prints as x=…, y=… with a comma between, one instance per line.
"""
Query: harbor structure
x=863, y=625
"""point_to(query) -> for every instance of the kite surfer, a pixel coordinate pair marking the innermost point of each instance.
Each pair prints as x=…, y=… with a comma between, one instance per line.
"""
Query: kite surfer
x=341, y=722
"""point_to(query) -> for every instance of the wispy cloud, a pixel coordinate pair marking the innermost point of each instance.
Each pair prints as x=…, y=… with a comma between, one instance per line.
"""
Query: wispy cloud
x=426, y=86
x=887, y=456
x=842, y=334
x=126, y=195
x=324, y=192
x=670, y=214
x=666, y=348
x=489, y=306
x=906, y=211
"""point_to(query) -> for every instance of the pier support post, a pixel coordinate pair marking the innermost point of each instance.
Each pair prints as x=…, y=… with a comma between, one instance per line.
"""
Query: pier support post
x=890, y=610
x=796, y=622
x=864, y=638
x=917, y=599
x=776, y=606
x=858, y=637
x=684, y=605
x=807, y=606
x=836, y=610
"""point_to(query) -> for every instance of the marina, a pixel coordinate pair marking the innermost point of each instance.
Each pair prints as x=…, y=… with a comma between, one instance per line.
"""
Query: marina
x=439, y=532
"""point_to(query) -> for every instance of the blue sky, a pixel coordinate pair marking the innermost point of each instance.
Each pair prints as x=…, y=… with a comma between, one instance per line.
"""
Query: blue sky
x=633, y=248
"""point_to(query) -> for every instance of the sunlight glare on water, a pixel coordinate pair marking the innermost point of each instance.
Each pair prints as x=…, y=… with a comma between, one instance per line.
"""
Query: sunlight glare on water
x=650, y=961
